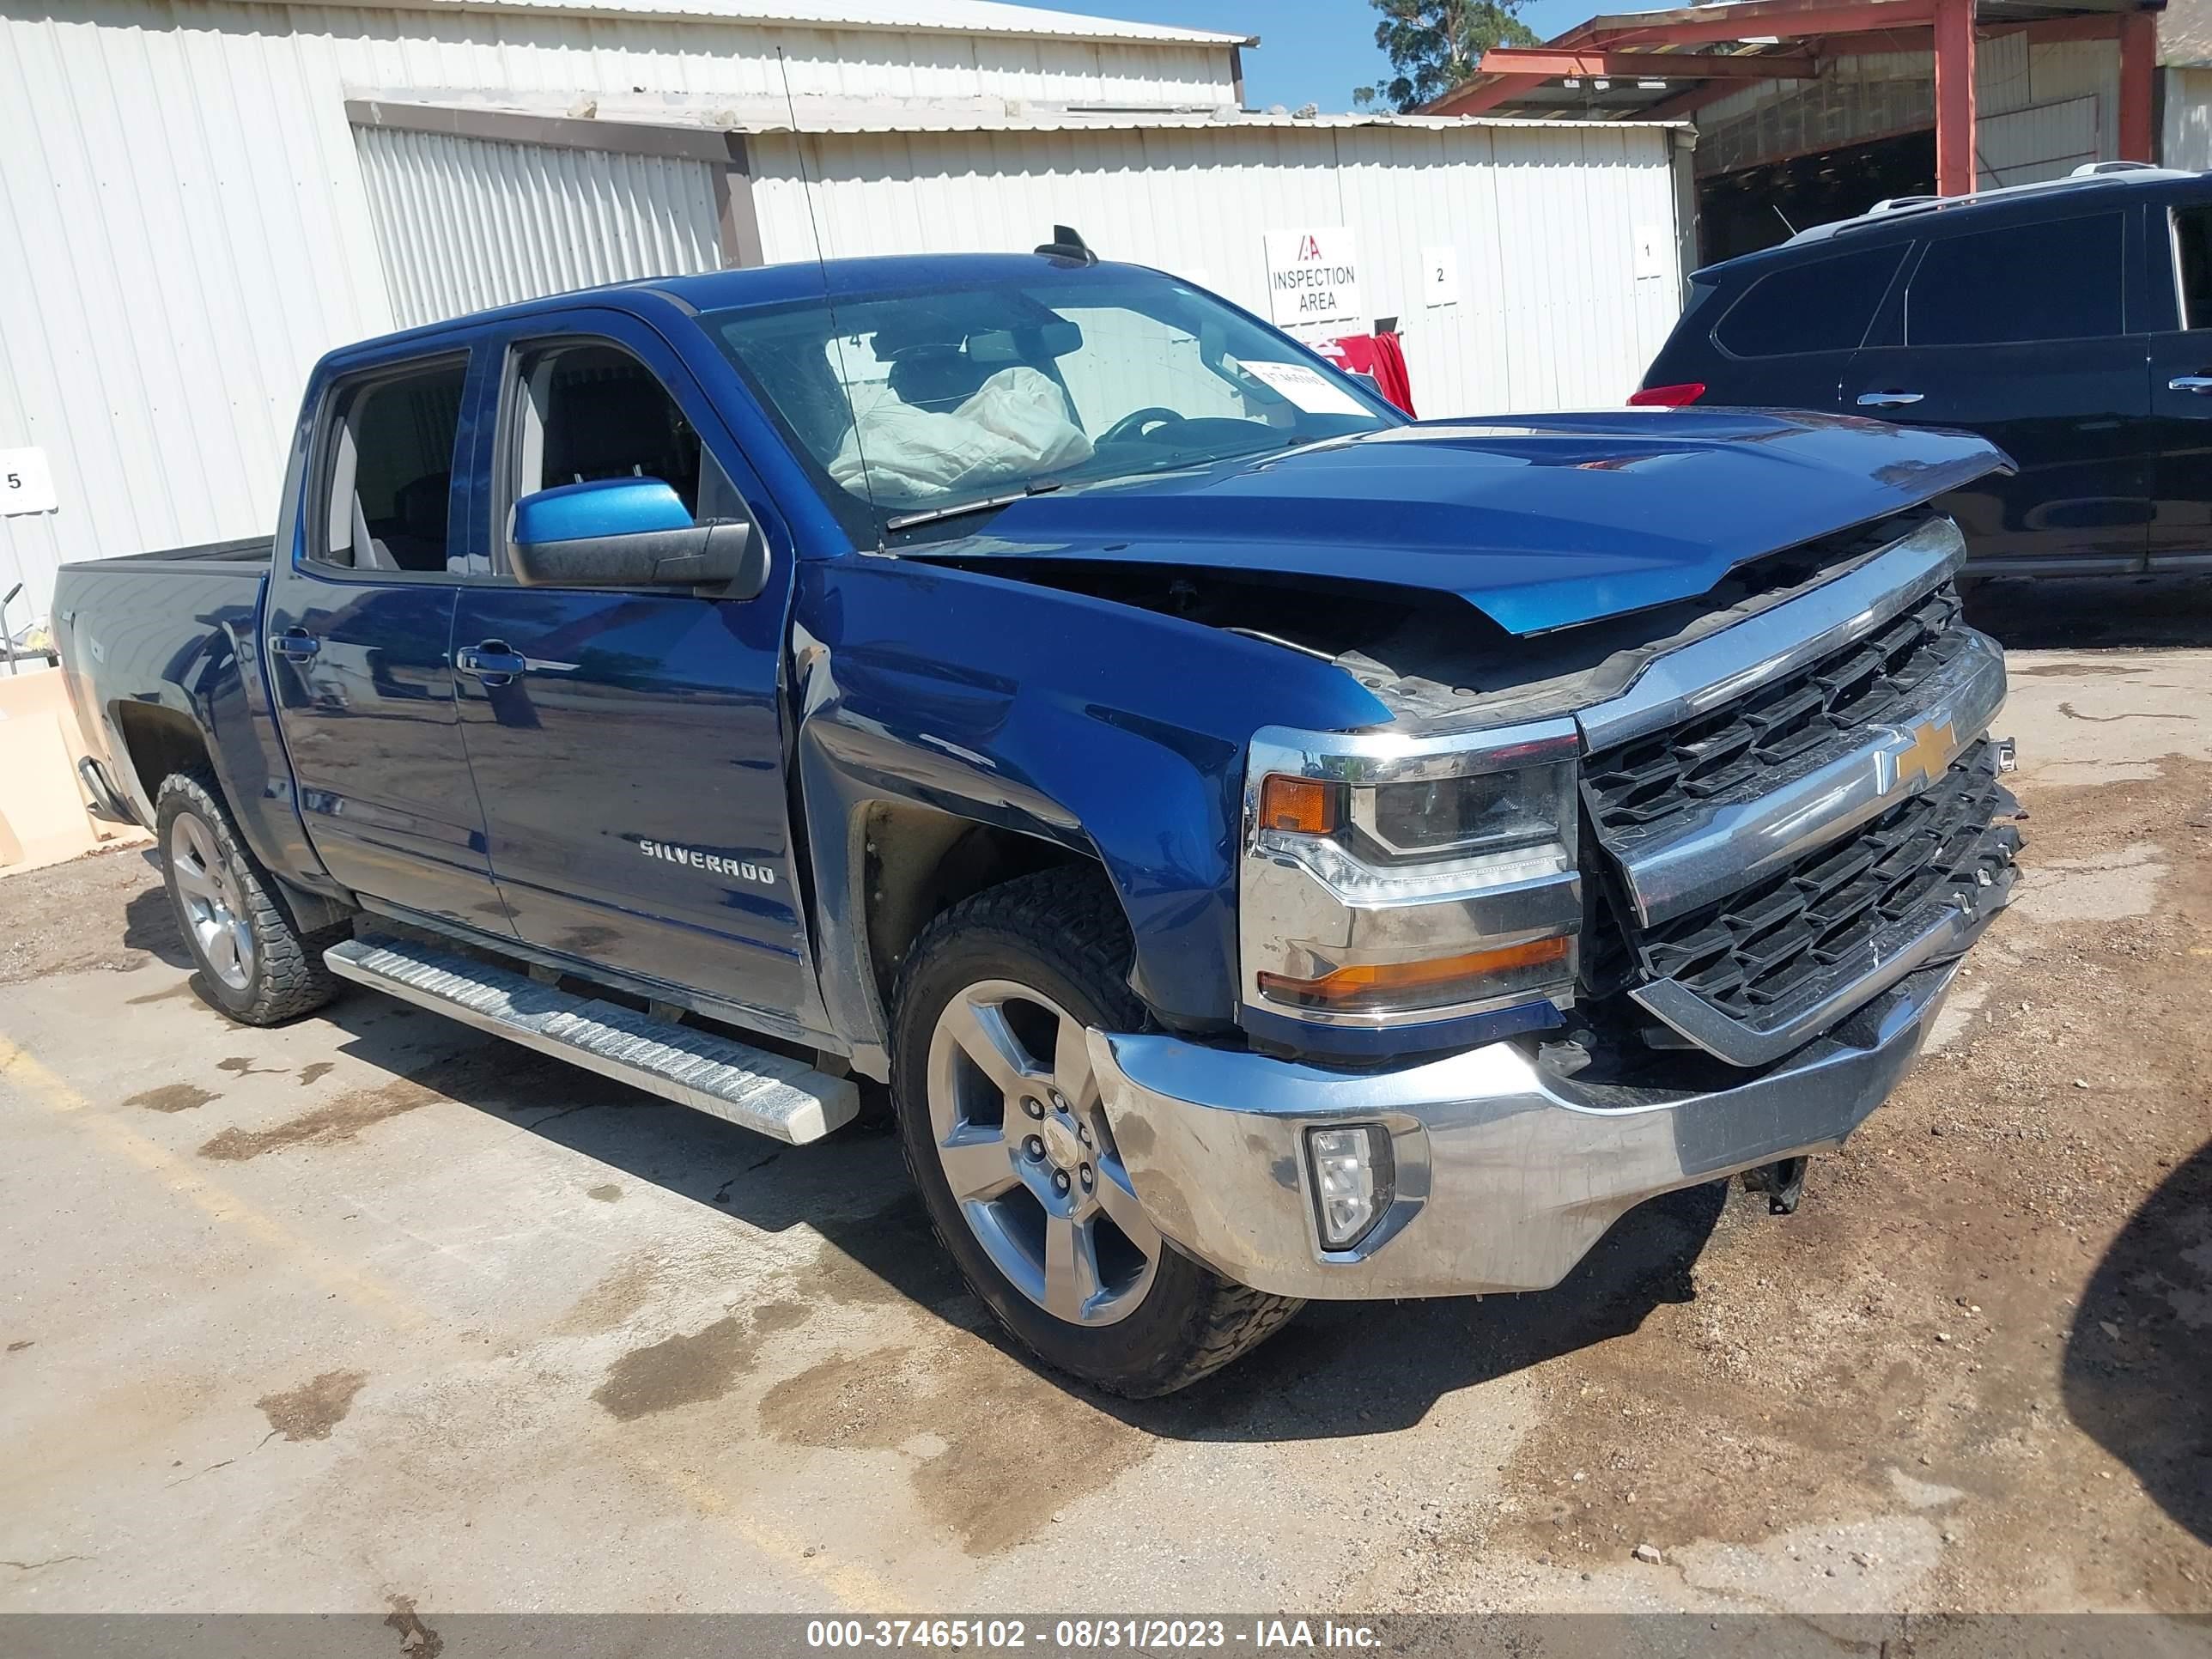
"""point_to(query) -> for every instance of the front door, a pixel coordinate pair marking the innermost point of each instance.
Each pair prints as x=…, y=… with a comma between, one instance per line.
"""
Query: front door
x=2181, y=394
x=2021, y=334
x=627, y=744
x=360, y=624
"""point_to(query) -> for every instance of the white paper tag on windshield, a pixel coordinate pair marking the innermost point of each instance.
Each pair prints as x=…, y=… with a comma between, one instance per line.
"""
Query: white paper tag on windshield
x=1309, y=388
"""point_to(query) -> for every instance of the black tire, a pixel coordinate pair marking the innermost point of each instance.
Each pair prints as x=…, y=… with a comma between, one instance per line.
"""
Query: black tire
x=1061, y=934
x=285, y=977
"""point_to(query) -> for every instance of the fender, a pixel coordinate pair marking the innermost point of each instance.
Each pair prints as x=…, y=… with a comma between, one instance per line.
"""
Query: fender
x=1114, y=732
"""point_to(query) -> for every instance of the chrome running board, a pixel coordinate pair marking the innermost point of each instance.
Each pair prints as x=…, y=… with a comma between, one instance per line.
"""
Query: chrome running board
x=771, y=1094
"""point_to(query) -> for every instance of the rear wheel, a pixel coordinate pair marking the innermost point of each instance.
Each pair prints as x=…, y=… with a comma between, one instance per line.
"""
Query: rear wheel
x=258, y=968
x=1007, y=1140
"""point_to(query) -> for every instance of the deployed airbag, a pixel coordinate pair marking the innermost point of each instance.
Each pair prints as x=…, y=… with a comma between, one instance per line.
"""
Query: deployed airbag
x=1015, y=425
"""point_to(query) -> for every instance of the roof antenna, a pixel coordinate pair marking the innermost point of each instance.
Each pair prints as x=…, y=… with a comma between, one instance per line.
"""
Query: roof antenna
x=1784, y=217
x=1067, y=244
x=836, y=339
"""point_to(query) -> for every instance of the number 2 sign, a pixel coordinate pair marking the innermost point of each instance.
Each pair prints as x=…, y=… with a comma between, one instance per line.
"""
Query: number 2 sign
x=1440, y=276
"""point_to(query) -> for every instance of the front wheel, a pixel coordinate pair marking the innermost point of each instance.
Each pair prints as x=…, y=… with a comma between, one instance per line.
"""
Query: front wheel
x=257, y=967
x=1007, y=1140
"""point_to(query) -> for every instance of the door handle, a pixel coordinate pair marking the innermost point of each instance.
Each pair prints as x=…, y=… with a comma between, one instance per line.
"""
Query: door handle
x=492, y=662
x=2199, y=383
x=1888, y=400
x=294, y=644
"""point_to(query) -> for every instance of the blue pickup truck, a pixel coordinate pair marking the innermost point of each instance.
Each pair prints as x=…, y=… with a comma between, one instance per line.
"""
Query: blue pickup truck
x=1268, y=847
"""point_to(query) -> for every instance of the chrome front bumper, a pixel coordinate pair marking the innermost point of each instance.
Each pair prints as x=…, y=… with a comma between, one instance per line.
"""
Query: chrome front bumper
x=1506, y=1174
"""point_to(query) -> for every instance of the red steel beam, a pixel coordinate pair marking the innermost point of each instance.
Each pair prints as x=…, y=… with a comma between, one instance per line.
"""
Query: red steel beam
x=1955, y=97
x=2138, y=60
x=1646, y=65
x=1476, y=96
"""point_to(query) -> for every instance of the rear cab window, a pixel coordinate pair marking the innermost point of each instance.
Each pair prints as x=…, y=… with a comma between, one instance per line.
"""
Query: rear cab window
x=387, y=471
x=1821, y=304
x=2060, y=279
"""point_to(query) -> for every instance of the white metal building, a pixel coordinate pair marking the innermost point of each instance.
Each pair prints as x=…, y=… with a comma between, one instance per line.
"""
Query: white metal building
x=204, y=198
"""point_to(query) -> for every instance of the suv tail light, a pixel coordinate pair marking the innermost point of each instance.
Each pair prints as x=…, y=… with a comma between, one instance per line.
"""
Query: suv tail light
x=1667, y=397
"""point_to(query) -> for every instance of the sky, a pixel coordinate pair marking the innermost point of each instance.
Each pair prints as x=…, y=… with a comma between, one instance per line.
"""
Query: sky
x=1310, y=52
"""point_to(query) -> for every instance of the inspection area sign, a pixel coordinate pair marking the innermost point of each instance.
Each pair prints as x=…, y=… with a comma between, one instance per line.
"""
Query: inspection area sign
x=1313, y=276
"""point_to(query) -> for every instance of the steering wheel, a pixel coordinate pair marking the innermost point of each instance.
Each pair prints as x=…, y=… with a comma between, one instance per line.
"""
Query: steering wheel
x=1132, y=424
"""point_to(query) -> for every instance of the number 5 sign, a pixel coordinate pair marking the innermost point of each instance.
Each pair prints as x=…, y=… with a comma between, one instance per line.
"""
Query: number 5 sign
x=27, y=483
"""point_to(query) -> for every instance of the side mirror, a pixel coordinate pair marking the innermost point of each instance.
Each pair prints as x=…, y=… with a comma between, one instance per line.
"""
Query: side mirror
x=631, y=532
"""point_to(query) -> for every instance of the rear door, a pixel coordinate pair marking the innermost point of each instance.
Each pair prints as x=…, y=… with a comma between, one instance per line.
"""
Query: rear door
x=1787, y=340
x=2181, y=387
x=359, y=626
x=629, y=743
x=2021, y=333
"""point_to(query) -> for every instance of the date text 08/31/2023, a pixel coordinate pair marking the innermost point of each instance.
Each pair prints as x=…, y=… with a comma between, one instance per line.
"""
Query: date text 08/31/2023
x=1086, y=1635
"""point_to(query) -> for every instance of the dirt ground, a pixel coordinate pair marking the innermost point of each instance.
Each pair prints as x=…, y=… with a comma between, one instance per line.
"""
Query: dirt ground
x=371, y=1311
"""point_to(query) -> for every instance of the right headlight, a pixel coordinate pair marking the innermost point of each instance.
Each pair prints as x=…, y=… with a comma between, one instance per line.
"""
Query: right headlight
x=1390, y=880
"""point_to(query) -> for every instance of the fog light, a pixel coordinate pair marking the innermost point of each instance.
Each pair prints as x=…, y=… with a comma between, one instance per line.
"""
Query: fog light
x=1352, y=1179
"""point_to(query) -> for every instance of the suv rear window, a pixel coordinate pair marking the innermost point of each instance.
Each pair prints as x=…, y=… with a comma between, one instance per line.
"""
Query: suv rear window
x=1825, y=304
x=2059, y=280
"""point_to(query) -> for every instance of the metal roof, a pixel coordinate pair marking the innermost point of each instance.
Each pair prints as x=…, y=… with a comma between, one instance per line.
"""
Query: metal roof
x=705, y=114
x=1766, y=31
x=949, y=16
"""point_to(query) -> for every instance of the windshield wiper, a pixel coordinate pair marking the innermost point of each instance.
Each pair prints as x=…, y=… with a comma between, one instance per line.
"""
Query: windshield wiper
x=988, y=504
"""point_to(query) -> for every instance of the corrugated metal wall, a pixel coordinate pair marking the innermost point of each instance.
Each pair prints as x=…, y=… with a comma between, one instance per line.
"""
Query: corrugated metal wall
x=2046, y=141
x=1553, y=312
x=186, y=227
x=466, y=223
x=2187, y=118
x=1878, y=94
x=185, y=235
x=390, y=49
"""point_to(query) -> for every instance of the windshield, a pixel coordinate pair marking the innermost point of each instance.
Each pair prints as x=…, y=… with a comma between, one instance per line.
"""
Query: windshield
x=922, y=405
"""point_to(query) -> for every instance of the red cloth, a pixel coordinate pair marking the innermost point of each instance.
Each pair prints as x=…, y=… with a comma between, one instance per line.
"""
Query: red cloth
x=1380, y=358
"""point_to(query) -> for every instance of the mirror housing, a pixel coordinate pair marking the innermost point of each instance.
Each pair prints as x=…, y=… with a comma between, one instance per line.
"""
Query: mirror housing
x=631, y=532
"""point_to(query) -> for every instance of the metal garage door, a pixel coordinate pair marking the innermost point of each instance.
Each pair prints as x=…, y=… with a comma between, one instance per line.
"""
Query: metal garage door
x=466, y=222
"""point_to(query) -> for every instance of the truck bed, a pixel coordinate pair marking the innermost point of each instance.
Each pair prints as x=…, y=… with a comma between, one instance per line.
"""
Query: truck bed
x=247, y=557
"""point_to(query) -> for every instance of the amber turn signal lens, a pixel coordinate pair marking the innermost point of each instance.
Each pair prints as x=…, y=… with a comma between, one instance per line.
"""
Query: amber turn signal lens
x=1411, y=984
x=1305, y=807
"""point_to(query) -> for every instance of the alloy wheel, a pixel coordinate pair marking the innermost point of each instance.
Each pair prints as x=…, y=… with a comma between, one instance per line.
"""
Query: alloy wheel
x=1022, y=1140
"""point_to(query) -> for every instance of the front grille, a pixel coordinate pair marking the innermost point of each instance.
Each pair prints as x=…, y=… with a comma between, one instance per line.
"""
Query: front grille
x=1783, y=728
x=1761, y=954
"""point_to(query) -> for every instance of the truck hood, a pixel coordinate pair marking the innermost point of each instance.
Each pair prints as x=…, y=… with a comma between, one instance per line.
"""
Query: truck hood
x=1539, y=522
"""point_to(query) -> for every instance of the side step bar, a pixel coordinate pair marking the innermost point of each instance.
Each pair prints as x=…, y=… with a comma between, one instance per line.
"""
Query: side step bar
x=784, y=1098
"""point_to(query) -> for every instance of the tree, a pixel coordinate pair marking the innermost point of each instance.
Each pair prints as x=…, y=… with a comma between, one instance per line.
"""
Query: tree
x=1434, y=45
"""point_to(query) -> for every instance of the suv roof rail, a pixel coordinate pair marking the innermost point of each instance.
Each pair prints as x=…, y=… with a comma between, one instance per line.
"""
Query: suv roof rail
x=2090, y=175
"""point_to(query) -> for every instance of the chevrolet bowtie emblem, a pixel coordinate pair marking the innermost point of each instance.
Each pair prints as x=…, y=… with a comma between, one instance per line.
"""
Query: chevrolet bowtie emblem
x=1930, y=753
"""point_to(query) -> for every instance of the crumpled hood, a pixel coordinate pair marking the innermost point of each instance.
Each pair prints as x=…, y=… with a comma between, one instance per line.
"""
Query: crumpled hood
x=1539, y=522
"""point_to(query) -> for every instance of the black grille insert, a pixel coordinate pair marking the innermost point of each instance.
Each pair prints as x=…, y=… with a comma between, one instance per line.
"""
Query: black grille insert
x=1780, y=727
x=1762, y=953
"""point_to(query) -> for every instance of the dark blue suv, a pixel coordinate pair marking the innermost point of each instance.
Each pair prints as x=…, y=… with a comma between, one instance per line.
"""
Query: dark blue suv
x=2068, y=322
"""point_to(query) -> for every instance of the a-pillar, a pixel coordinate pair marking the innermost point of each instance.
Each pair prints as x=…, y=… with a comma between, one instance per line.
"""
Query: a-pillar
x=1955, y=97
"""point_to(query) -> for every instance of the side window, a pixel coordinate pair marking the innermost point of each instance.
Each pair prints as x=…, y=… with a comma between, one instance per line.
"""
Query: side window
x=390, y=477
x=2059, y=280
x=2192, y=265
x=1825, y=304
x=587, y=412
